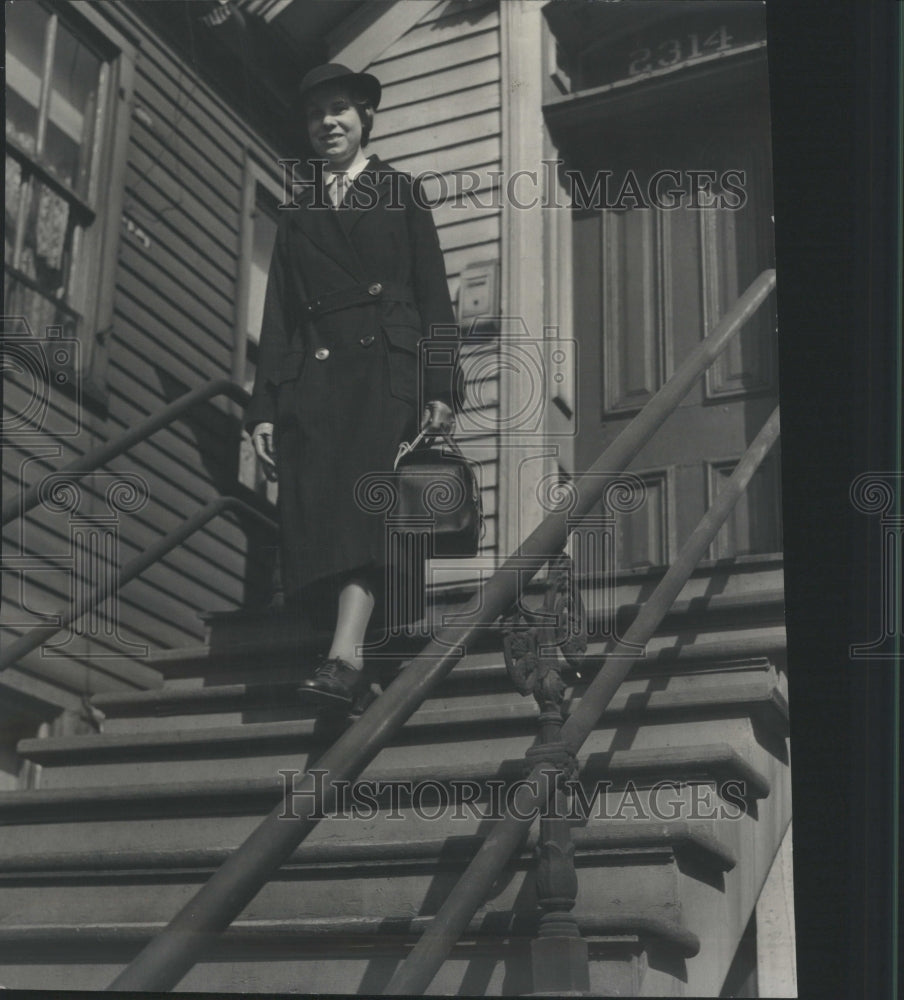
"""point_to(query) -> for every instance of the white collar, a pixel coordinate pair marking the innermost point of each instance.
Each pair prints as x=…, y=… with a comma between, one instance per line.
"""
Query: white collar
x=329, y=177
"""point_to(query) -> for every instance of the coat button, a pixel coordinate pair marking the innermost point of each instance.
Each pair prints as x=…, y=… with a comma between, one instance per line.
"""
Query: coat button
x=322, y=353
x=367, y=340
x=375, y=289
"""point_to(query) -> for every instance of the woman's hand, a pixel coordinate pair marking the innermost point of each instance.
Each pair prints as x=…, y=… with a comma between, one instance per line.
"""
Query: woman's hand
x=265, y=449
x=438, y=418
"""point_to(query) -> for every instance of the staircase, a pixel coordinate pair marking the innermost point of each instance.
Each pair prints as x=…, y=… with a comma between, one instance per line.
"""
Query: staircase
x=130, y=821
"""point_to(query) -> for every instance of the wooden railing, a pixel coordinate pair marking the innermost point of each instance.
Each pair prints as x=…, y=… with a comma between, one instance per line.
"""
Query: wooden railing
x=91, y=599
x=22, y=503
x=166, y=959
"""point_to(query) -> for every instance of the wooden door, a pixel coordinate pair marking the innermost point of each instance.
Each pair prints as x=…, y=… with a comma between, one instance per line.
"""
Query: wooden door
x=656, y=265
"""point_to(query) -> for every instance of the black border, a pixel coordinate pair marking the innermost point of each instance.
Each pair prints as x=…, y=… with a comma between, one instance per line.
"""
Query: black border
x=833, y=70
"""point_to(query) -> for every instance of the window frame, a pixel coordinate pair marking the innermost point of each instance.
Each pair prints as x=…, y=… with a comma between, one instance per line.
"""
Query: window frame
x=92, y=282
x=254, y=175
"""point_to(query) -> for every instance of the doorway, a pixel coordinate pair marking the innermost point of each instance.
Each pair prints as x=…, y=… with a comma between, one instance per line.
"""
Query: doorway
x=672, y=220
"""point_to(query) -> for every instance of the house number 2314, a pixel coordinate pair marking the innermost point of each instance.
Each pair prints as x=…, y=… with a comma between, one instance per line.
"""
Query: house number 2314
x=675, y=50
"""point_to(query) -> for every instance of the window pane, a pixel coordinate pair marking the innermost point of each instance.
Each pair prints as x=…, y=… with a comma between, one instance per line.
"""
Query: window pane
x=26, y=26
x=13, y=191
x=52, y=239
x=47, y=243
x=262, y=249
x=73, y=109
x=40, y=311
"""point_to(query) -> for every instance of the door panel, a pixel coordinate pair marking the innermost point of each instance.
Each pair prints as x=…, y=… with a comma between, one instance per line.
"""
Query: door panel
x=632, y=356
x=650, y=281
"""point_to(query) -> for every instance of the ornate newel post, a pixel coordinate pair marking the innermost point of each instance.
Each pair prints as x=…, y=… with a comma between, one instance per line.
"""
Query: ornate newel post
x=559, y=956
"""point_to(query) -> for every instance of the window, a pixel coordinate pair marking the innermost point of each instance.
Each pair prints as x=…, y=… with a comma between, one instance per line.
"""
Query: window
x=259, y=223
x=68, y=81
x=263, y=236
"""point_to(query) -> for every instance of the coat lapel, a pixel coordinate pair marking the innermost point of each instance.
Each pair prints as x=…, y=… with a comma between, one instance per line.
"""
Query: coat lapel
x=370, y=188
x=331, y=229
x=318, y=221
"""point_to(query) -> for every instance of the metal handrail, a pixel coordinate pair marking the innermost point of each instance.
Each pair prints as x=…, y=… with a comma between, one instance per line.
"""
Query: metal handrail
x=37, y=636
x=23, y=502
x=417, y=971
x=166, y=959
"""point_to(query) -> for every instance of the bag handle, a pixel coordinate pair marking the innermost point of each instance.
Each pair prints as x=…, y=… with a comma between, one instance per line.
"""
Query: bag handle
x=406, y=448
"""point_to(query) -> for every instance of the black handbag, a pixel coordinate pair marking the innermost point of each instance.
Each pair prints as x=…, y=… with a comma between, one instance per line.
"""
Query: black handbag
x=439, y=491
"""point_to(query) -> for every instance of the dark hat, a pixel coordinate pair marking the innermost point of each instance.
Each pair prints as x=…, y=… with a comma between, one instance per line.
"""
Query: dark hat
x=334, y=72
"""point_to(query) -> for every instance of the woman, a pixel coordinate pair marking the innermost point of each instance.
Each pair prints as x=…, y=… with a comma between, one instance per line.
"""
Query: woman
x=356, y=280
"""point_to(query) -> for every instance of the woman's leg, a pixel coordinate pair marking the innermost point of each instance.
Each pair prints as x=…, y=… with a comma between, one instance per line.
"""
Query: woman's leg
x=356, y=604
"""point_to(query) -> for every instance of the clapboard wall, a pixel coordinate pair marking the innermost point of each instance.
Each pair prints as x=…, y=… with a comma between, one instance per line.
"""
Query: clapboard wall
x=173, y=329
x=440, y=118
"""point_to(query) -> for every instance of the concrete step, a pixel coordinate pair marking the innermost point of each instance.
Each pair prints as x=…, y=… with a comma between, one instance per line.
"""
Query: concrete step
x=683, y=713
x=729, y=675
x=640, y=877
x=404, y=878
x=642, y=768
x=752, y=687
x=279, y=651
x=221, y=818
x=251, y=694
x=346, y=956
x=692, y=841
x=735, y=579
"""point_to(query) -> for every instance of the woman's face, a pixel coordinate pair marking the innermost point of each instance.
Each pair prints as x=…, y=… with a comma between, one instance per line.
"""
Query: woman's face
x=334, y=126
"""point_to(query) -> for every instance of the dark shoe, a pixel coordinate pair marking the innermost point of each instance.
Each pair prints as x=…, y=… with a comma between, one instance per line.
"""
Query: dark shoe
x=334, y=683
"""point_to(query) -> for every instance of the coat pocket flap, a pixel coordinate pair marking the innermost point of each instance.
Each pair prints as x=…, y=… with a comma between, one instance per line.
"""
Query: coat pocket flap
x=404, y=337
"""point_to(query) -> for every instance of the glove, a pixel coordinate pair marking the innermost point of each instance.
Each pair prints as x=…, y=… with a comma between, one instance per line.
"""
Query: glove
x=265, y=449
x=438, y=418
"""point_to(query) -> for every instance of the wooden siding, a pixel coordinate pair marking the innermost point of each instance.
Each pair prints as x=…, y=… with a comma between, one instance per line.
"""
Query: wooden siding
x=174, y=323
x=440, y=114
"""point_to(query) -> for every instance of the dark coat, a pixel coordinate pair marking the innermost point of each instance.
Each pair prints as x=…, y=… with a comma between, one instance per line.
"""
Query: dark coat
x=350, y=294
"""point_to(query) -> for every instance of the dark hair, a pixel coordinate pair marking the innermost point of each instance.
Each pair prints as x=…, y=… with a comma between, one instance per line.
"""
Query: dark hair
x=365, y=112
